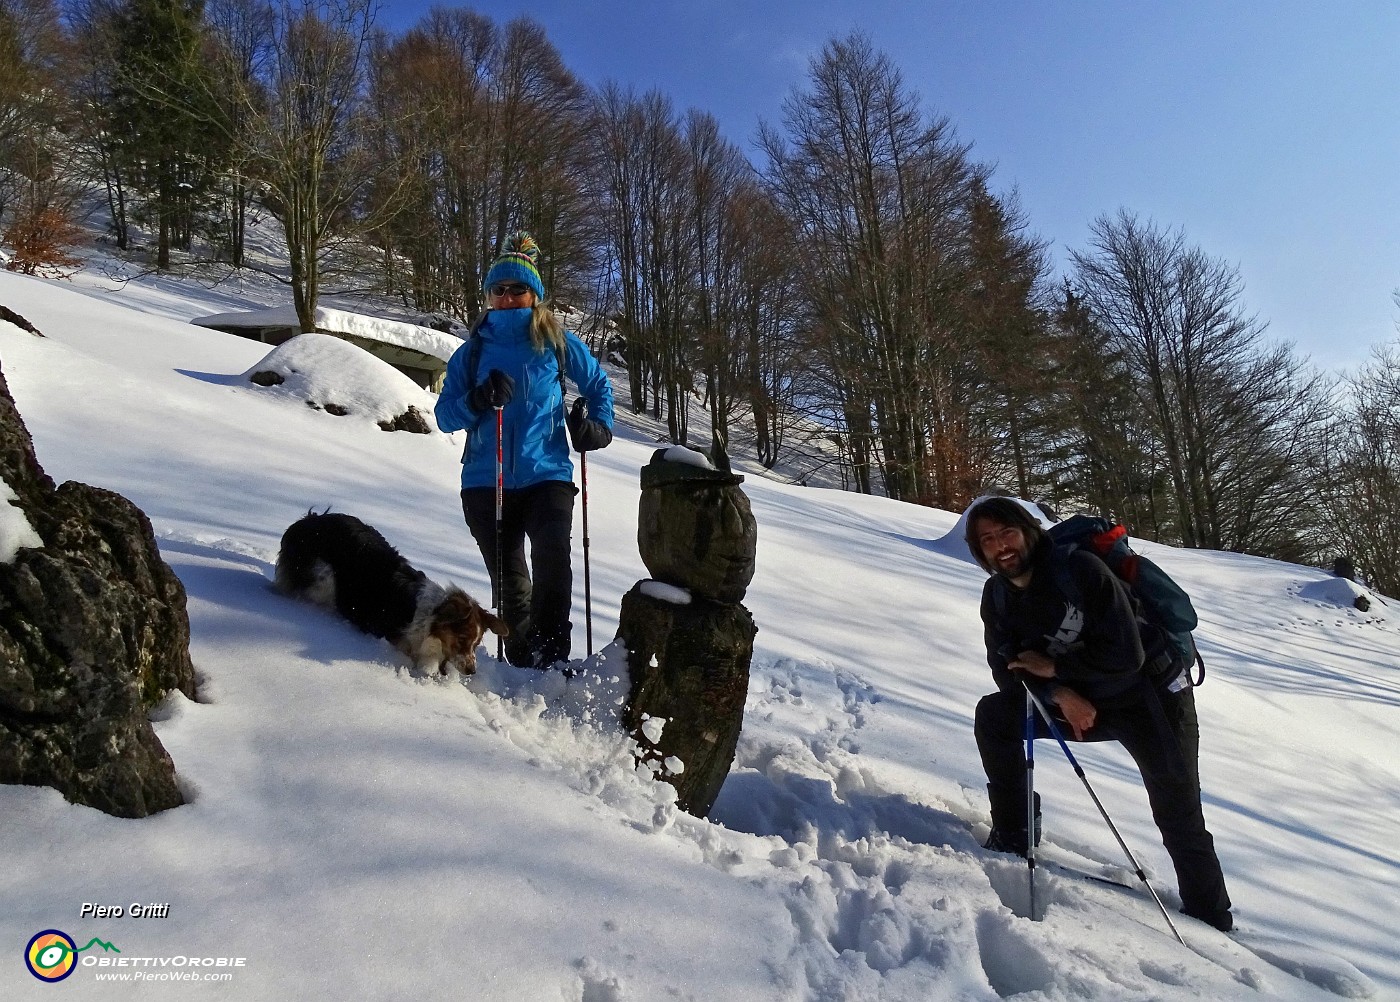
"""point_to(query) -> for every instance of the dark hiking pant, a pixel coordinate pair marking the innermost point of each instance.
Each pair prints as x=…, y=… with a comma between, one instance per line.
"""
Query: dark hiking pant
x=537, y=611
x=1163, y=741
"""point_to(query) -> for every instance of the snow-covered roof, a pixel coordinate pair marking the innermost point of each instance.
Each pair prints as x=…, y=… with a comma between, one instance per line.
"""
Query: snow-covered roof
x=394, y=332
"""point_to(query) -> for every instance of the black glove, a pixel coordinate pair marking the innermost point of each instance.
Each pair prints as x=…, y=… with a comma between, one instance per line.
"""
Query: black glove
x=495, y=392
x=585, y=433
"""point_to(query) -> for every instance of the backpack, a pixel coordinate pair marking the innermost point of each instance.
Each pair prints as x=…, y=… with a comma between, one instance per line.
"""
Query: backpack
x=1165, y=614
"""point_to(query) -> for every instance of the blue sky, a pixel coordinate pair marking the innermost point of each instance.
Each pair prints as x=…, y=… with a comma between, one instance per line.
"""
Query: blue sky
x=1268, y=130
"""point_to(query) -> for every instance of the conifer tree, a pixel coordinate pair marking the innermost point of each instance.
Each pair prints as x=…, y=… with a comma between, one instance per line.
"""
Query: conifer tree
x=159, y=110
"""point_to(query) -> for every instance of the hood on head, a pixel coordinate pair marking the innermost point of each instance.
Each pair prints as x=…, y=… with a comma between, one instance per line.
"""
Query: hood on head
x=1004, y=511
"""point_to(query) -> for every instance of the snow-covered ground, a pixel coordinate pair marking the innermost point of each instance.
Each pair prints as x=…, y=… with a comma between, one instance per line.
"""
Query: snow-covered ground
x=355, y=831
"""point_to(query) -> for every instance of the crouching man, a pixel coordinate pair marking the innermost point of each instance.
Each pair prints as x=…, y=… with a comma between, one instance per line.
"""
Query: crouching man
x=1085, y=664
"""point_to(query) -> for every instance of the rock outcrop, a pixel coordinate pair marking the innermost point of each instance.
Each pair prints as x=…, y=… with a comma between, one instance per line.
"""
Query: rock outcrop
x=93, y=633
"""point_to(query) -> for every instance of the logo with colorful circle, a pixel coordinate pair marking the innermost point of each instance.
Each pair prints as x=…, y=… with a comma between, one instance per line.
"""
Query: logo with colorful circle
x=51, y=955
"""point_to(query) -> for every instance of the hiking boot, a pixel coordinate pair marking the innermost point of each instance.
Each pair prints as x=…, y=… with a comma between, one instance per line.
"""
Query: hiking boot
x=551, y=650
x=1012, y=840
x=518, y=652
x=1221, y=919
x=1010, y=805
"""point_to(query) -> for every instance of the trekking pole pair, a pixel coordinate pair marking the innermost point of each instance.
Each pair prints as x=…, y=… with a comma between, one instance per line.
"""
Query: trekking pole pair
x=1032, y=700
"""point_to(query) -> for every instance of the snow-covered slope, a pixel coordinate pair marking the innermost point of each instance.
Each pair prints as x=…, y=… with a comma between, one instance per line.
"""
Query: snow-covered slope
x=355, y=831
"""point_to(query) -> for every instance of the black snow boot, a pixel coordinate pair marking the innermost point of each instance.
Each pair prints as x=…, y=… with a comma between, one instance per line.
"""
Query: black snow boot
x=1009, y=821
x=1221, y=919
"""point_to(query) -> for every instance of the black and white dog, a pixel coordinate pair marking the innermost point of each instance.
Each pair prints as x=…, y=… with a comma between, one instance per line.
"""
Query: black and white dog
x=339, y=562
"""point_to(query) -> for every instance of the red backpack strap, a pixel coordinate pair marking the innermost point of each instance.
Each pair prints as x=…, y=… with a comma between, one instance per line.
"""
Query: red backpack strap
x=1102, y=542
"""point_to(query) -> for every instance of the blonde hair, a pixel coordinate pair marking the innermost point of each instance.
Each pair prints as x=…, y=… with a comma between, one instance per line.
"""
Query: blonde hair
x=546, y=328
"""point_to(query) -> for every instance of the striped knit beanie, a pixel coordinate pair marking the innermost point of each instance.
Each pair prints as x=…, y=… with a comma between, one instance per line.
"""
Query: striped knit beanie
x=517, y=263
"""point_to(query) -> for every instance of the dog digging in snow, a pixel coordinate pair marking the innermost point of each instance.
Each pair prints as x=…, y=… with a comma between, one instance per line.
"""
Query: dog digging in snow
x=338, y=562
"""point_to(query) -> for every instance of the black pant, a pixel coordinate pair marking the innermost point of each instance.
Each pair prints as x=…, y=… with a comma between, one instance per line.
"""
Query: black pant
x=537, y=613
x=1162, y=736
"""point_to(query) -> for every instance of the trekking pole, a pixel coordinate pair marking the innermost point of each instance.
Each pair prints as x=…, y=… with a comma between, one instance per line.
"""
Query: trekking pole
x=1030, y=798
x=500, y=515
x=1078, y=771
x=587, y=580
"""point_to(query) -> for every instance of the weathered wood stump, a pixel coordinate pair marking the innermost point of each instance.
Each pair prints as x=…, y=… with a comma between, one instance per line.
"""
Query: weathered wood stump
x=689, y=641
x=689, y=666
x=695, y=528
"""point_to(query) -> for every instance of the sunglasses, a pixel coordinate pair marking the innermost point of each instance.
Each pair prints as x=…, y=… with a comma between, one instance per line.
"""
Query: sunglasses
x=502, y=291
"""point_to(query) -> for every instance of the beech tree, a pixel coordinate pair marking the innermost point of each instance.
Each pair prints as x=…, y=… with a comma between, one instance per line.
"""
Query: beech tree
x=240, y=40
x=717, y=174
x=637, y=156
x=764, y=305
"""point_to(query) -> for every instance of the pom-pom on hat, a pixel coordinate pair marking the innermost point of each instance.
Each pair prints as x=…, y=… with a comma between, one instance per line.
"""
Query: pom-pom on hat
x=516, y=263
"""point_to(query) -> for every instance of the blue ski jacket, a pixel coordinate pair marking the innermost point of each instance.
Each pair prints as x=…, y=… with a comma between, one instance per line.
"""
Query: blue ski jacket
x=536, y=439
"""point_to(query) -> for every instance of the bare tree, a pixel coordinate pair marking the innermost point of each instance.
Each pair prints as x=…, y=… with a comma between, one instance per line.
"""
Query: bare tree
x=240, y=36
x=879, y=195
x=1359, y=462
x=485, y=127
x=717, y=174
x=1229, y=417
x=763, y=304
x=637, y=155
x=430, y=90
x=34, y=152
x=306, y=144
x=541, y=108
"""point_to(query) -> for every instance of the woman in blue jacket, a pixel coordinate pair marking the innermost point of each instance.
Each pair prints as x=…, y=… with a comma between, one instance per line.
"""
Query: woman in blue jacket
x=514, y=363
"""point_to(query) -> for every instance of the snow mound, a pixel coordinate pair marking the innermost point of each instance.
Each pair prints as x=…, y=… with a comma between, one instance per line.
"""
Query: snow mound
x=340, y=378
x=1342, y=592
